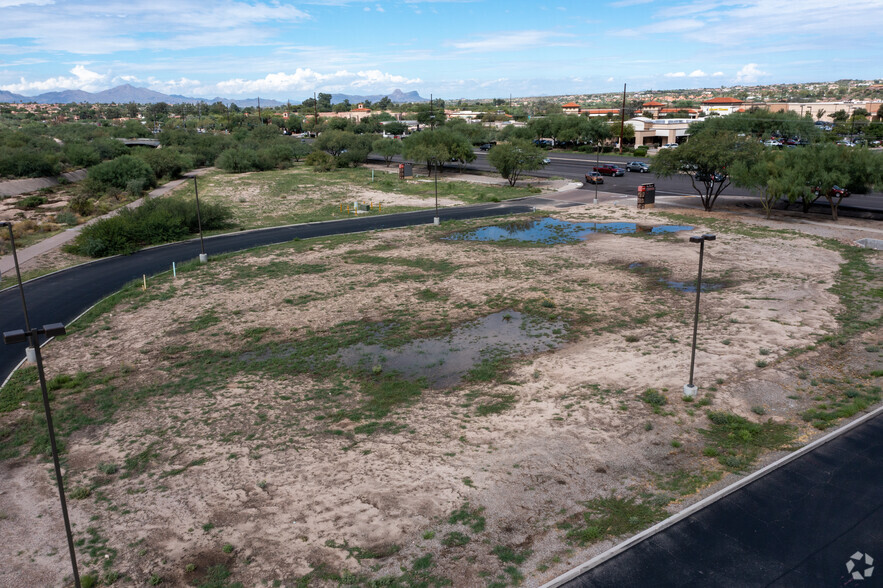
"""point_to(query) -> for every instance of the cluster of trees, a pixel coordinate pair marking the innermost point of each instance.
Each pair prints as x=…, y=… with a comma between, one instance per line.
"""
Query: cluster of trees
x=726, y=150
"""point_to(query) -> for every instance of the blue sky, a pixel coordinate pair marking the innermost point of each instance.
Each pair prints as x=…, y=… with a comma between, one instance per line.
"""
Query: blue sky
x=450, y=48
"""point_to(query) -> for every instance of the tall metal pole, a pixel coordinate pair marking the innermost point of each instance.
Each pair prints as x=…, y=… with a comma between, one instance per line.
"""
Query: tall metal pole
x=622, y=119
x=690, y=389
x=33, y=334
x=597, y=162
x=202, y=256
x=696, y=313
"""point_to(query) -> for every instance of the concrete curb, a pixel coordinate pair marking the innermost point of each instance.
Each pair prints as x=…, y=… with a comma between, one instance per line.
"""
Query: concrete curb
x=690, y=510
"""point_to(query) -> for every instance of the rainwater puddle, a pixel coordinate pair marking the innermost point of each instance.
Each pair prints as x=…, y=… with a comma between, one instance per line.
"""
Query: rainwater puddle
x=552, y=231
x=682, y=286
x=442, y=362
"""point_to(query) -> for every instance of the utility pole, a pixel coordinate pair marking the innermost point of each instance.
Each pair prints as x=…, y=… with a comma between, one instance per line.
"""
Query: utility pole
x=260, y=120
x=622, y=119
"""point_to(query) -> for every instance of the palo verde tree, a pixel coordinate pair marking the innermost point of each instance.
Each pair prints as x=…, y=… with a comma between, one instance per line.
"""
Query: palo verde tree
x=388, y=148
x=707, y=158
x=436, y=147
x=514, y=158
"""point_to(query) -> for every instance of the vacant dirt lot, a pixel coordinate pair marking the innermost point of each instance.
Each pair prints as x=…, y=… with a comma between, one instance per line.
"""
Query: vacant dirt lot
x=216, y=427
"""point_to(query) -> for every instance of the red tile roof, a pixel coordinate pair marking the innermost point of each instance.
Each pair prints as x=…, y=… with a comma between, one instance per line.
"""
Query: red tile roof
x=653, y=103
x=571, y=105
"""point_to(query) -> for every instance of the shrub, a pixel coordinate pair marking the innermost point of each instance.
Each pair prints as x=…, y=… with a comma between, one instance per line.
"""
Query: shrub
x=66, y=217
x=321, y=161
x=641, y=151
x=158, y=220
x=135, y=187
x=81, y=204
x=237, y=161
x=81, y=155
x=117, y=173
x=166, y=163
x=32, y=201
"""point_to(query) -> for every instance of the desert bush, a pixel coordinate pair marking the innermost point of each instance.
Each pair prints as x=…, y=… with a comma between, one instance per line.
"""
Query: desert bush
x=81, y=204
x=237, y=161
x=119, y=172
x=81, y=155
x=166, y=163
x=321, y=161
x=32, y=201
x=66, y=217
x=158, y=220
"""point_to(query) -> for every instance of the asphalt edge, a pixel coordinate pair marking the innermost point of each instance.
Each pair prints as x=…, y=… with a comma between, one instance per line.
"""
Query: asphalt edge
x=690, y=510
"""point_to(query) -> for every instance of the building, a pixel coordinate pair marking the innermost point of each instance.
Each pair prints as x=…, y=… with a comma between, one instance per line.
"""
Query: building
x=658, y=131
x=722, y=106
x=571, y=108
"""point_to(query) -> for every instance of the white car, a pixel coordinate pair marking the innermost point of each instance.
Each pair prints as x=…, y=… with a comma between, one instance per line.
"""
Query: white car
x=772, y=143
x=546, y=161
x=669, y=146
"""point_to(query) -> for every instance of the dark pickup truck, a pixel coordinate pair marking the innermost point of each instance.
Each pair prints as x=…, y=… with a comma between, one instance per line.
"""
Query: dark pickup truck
x=609, y=170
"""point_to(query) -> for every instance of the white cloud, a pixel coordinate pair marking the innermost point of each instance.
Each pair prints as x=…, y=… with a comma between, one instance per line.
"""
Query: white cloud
x=610, y=79
x=676, y=74
x=717, y=74
x=82, y=79
x=13, y=3
x=307, y=80
x=514, y=41
x=749, y=74
x=698, y=73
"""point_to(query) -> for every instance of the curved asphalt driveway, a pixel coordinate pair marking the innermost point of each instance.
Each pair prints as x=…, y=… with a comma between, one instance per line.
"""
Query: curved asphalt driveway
x=64, y=295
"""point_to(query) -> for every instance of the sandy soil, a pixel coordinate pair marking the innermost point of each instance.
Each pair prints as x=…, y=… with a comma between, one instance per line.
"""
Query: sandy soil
x=246, y=461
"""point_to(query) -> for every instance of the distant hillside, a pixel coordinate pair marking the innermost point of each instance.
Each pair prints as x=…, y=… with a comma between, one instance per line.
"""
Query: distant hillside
x=396, y=97
x=128, y=93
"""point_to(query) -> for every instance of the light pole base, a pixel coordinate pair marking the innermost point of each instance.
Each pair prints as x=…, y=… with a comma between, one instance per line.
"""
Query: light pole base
x=31, y=355
x=690, y=391
x=203, y=257
x=436, y=221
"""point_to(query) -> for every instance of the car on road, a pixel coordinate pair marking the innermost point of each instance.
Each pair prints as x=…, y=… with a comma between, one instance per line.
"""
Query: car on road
x=834, y=192
x=486, y=147
x=608, y=169
x=637, y=166
x=594, y=178
x=546, y=161
x=716, y=177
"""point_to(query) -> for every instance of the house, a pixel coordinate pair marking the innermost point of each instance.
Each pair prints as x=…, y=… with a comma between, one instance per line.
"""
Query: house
x=571, y=108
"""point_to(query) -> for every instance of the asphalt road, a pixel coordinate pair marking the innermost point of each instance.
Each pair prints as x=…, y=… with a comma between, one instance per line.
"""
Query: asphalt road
x=64, y=295
x=575, y=165
x=800, y=525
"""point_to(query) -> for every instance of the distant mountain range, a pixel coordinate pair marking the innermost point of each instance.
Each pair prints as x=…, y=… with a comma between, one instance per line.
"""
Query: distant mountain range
x=128, y=93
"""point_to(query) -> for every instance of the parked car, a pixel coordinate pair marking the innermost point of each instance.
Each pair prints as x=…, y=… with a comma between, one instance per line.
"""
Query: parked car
x=772, y=143
x=637, y=166
x=669, y=146
x=594, y=178
x=834, y=192
x=608, y=169
x=717, y=177
x=486, y=147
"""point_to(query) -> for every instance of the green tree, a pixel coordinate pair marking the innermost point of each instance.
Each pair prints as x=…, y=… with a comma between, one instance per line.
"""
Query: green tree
x=388, y=148
x=426, y=146
x=430, y=115
x=706, y=158
x=514, y=158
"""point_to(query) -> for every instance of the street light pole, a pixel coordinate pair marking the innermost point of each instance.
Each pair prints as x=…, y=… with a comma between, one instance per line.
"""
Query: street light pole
x=597, y=163
x=690, y=389
x=19, y=336
x=436, y=220
x=203, y=257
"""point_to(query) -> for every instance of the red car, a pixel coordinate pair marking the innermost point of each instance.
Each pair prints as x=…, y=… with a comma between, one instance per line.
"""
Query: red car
x=834, y=192
x=608, y=169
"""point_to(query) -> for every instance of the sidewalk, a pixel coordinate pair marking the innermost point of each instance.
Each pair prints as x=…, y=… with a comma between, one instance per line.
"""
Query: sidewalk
x=7, y=263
